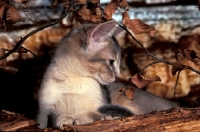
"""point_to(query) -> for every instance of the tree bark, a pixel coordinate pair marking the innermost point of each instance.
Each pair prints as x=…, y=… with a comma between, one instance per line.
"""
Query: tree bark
x=173, y=120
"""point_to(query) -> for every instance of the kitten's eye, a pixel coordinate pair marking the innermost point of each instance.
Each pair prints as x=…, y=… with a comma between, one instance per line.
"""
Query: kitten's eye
x=111, y=62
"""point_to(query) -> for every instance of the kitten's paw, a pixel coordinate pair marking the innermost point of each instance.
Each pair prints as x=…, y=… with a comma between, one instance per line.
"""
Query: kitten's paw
x=64, y=120
x=110, y=117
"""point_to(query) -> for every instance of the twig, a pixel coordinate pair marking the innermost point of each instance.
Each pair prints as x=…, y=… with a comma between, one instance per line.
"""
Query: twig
x=152, y=63
x=152, y=55
x=36, y=56
x=28, y=16
x=175, y=86
x=26, y=50
x=35, y=31
x=147, y=52
x=14, y=126
x=190, y=68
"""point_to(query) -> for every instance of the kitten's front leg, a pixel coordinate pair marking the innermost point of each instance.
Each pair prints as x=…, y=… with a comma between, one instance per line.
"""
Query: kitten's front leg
x=78, y=119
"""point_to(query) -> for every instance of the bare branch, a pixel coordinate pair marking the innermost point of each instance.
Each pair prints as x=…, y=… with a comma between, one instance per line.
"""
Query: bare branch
x=152, y=63
x=147, y=52
x=35, y=31
x=152, y=55
x=175, y=86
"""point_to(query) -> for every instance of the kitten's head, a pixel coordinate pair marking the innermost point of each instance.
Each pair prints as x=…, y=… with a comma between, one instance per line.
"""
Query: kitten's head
x=95, y=51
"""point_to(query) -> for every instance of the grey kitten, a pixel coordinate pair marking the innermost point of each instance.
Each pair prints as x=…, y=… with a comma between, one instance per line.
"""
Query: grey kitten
x=71, y=92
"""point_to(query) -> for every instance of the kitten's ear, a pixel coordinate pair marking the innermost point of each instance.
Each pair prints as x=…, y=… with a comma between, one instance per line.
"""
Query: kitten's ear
x=100, y=32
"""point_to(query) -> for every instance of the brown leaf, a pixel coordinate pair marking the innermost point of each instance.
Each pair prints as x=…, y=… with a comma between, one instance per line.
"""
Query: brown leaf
x=2, y=8
x=98, y=11
x=64, y=2
x=85, y=13
x=81, y=1
x=140, y=81
x=128, y=92
x=55, y=3
x=192, y=56
x=95, y=18
x=95, y=1
x=137, y=26
x=13, y=15
x=3, y=61
x=110, y=9
x=177, y=66
x=8, y=15
x=124, y=4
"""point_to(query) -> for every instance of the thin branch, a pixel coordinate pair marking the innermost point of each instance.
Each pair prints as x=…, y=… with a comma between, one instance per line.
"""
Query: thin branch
x=25, y=51
x=147, y=52
x=175, y=86
x=27, y=16
x=190, y=68
x=152, y=63
x=152, y=55
x=35, y=31
x=36, y=56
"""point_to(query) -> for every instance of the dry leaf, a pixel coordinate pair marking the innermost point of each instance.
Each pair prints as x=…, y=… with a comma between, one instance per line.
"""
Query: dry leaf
x=98, y=11
x=128, y=92
x=124, y=4
x=192, y=56
x=55, y=3
x=137, y=26
x=2, y=8
x=64, y=2
x=95, y=1
x=177, y=66
x=13, y=15
x=85, y=13
x=3, y=61
x=110, y=9
x=81, y=1
x=186, y=56
x=8, y=14
x=140, y=81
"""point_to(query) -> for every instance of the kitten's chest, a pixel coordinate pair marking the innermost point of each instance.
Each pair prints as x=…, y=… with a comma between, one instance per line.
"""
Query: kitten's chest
x=82, y=85
x=85, y=94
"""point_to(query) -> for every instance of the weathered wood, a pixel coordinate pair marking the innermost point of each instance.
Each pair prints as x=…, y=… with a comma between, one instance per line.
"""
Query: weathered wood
x=174, y=120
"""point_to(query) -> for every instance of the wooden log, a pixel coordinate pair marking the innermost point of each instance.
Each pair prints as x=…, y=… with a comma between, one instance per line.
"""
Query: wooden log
x=173, y=120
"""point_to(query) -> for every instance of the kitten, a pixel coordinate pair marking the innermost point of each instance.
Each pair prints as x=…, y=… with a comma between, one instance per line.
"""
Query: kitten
x=71, y=92
x=72, y=89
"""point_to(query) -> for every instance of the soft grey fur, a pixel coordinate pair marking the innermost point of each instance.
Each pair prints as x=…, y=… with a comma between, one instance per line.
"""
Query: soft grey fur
x=71, y=91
